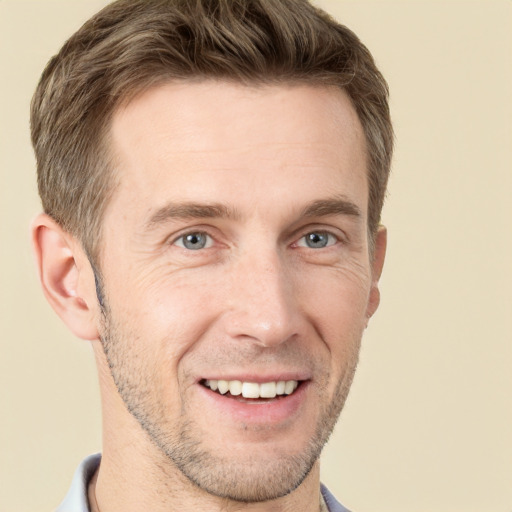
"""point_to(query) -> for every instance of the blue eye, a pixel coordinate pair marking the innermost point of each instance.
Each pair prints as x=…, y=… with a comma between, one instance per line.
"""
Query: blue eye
x=317, y=240
x=194, y=241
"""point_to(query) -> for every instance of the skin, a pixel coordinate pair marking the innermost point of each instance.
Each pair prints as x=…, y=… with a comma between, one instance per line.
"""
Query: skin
x=257, y=302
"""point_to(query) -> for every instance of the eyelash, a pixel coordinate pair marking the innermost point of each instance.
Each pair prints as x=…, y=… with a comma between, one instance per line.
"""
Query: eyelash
x=332, y=239
x=182, y=238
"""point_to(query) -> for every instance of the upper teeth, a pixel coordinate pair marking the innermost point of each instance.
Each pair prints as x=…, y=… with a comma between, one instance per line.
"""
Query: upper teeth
x=253, y=389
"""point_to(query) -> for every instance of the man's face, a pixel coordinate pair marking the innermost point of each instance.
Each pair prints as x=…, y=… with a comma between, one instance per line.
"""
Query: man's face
x=236, y=255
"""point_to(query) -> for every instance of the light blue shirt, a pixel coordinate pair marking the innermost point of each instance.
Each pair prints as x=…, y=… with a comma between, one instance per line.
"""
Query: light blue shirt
x=76, y=499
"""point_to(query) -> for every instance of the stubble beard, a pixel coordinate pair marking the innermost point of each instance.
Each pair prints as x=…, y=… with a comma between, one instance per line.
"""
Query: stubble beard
x=272, y=476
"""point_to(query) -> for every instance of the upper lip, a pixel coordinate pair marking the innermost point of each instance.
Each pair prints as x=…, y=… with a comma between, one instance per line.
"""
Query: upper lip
x=258, y=378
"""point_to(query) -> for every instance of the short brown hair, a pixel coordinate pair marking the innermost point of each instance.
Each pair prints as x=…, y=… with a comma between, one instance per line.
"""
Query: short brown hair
x=132, y=45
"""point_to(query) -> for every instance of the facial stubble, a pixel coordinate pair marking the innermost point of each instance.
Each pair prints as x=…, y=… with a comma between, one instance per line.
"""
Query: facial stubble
x=179, y=440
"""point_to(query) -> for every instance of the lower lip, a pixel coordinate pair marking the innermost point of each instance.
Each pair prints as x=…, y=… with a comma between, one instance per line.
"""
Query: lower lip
x=270, y=412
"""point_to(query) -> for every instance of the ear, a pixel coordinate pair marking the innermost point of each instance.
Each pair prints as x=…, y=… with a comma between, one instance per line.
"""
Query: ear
x=66, y=277
x=377, y=263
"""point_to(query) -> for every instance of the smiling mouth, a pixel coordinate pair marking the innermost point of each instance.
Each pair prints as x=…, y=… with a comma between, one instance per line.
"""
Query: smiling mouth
x=254, y=390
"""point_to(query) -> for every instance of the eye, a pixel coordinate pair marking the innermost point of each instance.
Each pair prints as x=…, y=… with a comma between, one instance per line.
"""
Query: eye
x=317, y=240
x=194, y=241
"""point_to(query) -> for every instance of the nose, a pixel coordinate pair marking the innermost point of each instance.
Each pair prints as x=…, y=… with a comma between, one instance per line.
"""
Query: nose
x=263, y=305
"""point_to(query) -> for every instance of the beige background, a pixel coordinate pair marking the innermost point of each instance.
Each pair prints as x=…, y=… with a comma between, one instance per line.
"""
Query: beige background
x=428, y=425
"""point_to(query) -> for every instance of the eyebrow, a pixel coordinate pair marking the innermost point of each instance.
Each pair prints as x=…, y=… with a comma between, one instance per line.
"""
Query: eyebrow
x=335, y=206
x=190, y=211
x=183, y=211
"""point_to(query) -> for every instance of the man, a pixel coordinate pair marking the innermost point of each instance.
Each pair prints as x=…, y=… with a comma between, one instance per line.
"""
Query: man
x=212, y=175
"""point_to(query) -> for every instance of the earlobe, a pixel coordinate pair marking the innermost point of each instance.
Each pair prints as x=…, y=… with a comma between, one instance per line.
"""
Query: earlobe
x=64, y=276
x=377, y=264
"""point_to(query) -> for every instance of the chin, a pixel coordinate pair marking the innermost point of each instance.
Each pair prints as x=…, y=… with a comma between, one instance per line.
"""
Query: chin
x=257, y=479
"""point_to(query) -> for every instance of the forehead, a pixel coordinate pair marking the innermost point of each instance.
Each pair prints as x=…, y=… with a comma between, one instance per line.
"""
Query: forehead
x=218, y=139
x=213, y=114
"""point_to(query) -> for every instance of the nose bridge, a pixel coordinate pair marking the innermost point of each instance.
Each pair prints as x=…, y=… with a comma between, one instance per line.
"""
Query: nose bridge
x=263, y=305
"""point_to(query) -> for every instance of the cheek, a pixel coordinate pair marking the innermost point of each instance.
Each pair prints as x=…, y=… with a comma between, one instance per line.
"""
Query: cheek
x=337, y=310
x=337, y=300
x=150, y=335
x=170, y=315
